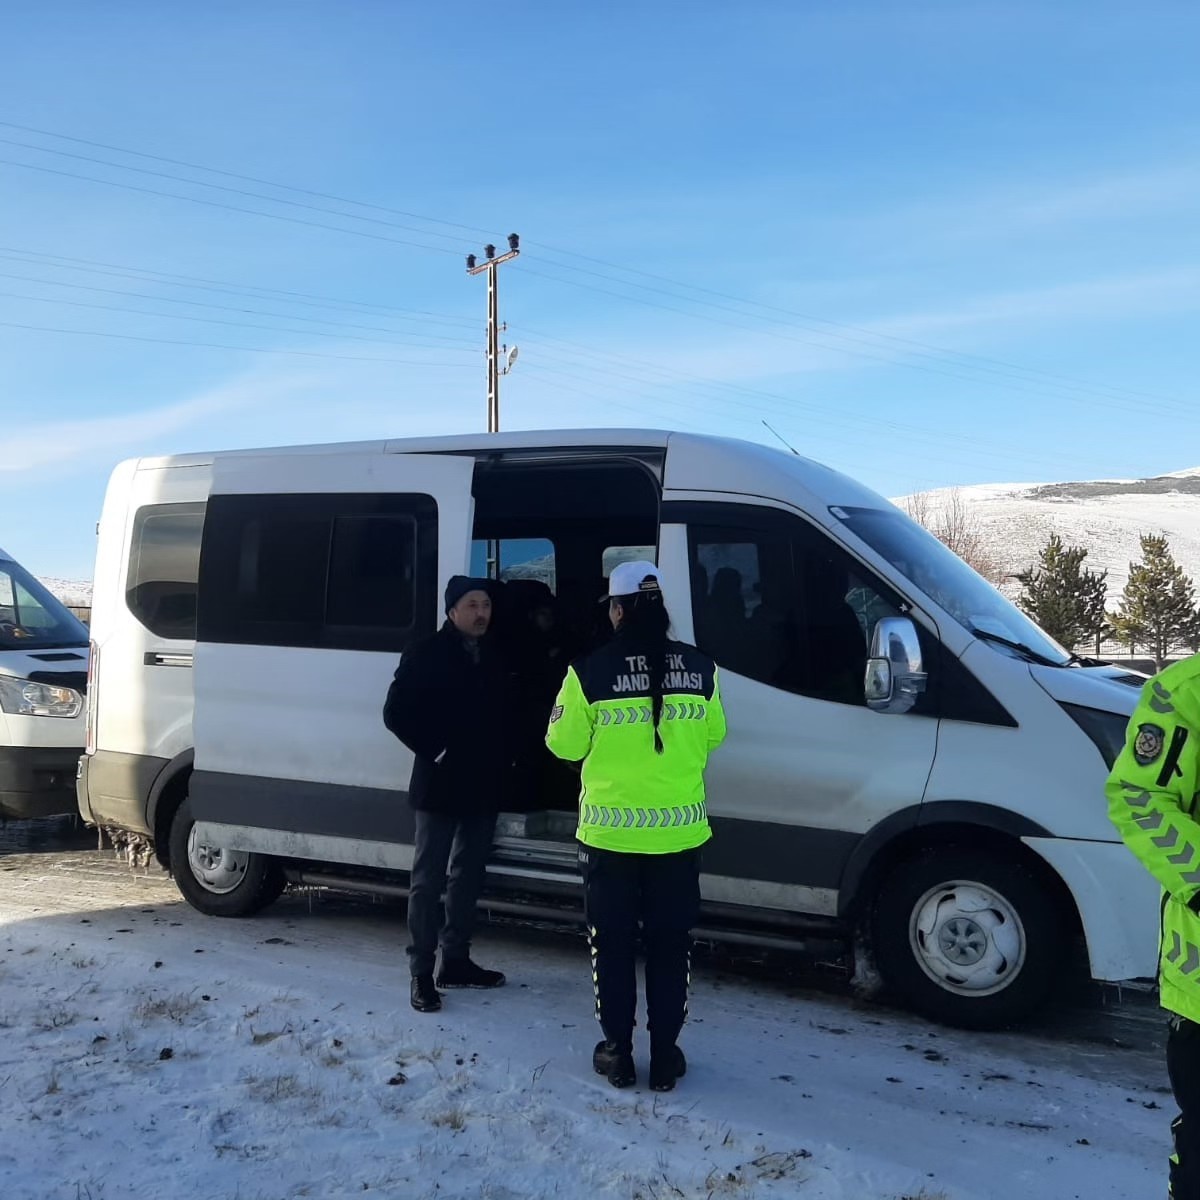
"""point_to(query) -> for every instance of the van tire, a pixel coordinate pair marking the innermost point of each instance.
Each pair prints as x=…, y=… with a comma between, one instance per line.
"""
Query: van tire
x=969, y=937
x=241, y=884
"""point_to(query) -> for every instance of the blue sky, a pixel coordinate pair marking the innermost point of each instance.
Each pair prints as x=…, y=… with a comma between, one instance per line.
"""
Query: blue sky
x=943, y=243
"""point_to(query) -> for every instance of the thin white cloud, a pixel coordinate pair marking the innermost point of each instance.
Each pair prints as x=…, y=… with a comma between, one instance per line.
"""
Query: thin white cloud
x=35, y=447
x=1122, y=296
x=998, y=211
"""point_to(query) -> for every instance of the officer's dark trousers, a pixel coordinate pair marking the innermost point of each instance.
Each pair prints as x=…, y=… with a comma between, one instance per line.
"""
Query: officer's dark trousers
x=1183, y=1066
x=449, y=852
x=654, y=898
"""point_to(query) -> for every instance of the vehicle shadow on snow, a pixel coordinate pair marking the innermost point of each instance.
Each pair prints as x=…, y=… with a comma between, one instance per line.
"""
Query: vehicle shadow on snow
x=44, y=835
x=1084, y=1023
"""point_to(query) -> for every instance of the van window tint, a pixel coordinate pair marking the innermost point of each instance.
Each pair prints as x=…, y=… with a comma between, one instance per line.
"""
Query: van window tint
x=372, y=572
x=164, y=563
x=775, y=600
x=351, y=572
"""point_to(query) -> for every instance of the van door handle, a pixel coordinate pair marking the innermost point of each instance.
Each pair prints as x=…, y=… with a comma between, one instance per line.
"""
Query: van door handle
x=165, y=658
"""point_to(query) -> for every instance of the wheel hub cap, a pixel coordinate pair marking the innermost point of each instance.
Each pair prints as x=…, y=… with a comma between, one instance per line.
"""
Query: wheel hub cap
x=968, y=938
x=215, y=868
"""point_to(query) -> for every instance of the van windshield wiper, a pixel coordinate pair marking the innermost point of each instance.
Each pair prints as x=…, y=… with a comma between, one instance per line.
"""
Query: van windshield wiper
x=986, y=635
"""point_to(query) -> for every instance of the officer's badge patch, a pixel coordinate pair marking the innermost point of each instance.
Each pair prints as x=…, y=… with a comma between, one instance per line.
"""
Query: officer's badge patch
x=1148, y=746
x=557, y=714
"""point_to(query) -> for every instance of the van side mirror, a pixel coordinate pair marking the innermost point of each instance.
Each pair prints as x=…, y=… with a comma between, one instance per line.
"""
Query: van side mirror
x=896, y=673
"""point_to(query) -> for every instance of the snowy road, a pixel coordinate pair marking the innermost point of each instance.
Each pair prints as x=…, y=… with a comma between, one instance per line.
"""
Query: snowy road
x=147, y=1051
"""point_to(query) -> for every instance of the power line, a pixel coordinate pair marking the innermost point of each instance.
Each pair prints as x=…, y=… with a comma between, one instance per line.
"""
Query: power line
x=751, y=419
x=142, y=312
x=133, y=337
x=1171, y=408
x=458, y=341
x=198, y=282
x=866, y=332
x=751, y=414
x=861, y=334
x=220, y=187
x=285, y=187
x=780, y=402
x=254, y=212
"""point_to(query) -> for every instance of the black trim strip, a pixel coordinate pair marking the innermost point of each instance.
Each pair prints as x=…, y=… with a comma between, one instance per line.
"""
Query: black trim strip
x=758, y=850
x=297, y=806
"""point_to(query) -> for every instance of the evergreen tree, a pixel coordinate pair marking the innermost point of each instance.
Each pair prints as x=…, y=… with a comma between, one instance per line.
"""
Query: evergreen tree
x=1158, y=606
x=1063, y=596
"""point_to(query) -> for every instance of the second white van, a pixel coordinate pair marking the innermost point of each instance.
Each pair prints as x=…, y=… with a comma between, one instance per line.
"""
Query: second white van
x=43, y=676
x=910, y=760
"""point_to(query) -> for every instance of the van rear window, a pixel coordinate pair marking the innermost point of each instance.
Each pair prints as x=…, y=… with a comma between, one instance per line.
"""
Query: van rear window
x=164, y=565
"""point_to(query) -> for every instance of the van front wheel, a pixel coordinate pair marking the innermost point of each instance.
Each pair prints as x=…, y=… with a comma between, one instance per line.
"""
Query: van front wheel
x=969, y=938
x=218, y=881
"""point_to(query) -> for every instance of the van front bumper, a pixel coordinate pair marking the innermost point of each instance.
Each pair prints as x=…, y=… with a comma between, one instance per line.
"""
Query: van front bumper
x=37, y=781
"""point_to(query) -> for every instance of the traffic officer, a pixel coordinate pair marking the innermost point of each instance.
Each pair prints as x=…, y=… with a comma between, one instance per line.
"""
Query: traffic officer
x=1152, y=799
x=642, y=713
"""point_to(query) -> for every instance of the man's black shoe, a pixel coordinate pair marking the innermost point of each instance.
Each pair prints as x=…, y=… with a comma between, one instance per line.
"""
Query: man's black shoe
x=615, y=1062
x=666, y=1069
x=425, y=997
x=463, y=973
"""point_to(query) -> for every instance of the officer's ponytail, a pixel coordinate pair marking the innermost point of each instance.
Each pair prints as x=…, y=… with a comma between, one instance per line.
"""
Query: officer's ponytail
x=645, y=623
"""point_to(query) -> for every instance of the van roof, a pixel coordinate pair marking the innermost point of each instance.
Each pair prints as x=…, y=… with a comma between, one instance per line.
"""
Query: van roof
x=707, y=462
x=466, y=443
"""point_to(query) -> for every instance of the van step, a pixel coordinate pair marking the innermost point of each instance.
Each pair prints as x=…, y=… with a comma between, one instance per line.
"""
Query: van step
x=814, y=936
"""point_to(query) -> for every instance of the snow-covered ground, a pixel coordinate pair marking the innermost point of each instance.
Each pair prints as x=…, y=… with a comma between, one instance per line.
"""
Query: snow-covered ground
x=146, y=1051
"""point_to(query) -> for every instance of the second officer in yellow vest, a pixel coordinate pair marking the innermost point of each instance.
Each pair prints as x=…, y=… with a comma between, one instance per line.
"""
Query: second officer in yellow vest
x=642, y=714
x=1154, y=800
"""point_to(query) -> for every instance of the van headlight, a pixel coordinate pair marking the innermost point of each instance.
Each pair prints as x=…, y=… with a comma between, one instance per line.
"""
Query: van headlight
x=1107, y=730
x=24, y=698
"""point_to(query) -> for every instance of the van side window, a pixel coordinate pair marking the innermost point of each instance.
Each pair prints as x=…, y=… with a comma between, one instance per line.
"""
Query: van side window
x=520, y=558
x=164, y=564
x=775, y=600
x=347, y=572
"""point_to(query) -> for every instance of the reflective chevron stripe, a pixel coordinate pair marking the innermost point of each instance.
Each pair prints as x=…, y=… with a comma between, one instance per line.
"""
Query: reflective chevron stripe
x=642, y=714
x=601, y=816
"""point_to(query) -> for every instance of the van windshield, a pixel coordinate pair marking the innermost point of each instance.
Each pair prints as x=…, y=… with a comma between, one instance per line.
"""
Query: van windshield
x=947, y=580
x=31, y=618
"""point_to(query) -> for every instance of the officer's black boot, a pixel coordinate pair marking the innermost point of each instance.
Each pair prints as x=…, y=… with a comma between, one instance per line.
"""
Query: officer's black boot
x=667, y=1066
x=615, y=1060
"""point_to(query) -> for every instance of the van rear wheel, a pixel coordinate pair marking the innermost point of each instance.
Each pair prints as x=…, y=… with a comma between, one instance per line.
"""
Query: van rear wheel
x=969, y=938
x=216, y=880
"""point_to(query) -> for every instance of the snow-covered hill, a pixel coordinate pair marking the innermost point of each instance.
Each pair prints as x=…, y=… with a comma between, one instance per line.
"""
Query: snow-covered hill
x=75, y=592
x=1106, y=516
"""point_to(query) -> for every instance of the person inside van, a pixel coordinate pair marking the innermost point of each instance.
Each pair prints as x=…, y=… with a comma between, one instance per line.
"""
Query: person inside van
x=449, y=703
x=534, y=648
x=642, y=714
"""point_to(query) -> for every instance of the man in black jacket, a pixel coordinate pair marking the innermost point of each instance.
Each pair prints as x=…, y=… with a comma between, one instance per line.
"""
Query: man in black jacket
x=448, y=705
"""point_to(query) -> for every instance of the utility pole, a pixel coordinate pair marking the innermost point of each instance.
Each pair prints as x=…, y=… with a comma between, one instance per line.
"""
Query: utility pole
x=495, y=369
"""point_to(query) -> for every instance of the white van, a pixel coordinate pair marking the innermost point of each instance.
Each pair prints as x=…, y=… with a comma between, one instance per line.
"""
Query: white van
x=43, y=677
x=909, y=757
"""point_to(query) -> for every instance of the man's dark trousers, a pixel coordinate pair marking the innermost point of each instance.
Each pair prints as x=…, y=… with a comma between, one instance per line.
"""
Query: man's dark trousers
x=1183, y=1066
x=661, y=893
x=450, y=851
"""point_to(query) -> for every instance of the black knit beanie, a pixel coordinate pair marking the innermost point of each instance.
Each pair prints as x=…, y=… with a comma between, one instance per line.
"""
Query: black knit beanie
x=460, y=585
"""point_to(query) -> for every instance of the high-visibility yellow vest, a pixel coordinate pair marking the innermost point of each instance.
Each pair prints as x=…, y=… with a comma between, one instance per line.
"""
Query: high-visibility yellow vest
x=1152, y=800
x=634, y=799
